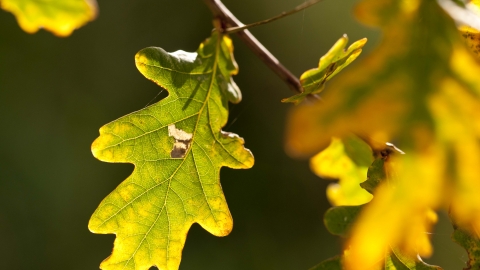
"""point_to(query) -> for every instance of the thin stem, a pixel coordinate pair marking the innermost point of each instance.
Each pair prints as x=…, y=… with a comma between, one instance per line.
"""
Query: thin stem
x=229, y=20
x=298, y=8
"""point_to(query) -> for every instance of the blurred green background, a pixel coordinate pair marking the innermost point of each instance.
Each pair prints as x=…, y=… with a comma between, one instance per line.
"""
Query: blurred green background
x=55, y=93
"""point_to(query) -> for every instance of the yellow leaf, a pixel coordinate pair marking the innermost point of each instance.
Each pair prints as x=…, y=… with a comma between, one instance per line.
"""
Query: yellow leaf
x=334, y=163
x=60, y=17
x=399, y=216
x=421, y=89
x=374, y=241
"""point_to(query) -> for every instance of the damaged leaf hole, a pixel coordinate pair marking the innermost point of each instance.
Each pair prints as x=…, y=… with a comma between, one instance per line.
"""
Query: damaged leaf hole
x=182, y=141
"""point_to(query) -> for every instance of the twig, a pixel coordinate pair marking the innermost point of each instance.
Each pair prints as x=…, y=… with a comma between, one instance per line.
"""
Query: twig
x=229, y=20
x=298, y=8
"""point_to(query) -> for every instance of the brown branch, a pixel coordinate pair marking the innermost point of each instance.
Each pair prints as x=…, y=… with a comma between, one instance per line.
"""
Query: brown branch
x=229, y=20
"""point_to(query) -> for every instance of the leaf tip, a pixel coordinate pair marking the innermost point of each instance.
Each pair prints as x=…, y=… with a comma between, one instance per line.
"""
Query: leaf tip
x=95, y=148
x=141, y=59
x=362, y=41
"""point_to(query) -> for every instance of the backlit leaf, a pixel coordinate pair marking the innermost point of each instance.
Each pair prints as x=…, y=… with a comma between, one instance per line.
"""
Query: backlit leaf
x=60, y=17
x=178, y=148
x=347, y=160
x=420, y=88
x=341, y=221
x=398, y=215
x=337, y=58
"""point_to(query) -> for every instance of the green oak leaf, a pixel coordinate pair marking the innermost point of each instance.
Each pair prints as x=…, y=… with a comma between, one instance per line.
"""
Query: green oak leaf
x=60, y=17
x=178, y=148
x=337, y=58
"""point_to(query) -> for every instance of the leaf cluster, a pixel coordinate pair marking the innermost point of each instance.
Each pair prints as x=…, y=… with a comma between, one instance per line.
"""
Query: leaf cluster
x=420, y=88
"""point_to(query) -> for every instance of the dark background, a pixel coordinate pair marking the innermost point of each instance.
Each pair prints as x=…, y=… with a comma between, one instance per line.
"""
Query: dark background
x=55, y=93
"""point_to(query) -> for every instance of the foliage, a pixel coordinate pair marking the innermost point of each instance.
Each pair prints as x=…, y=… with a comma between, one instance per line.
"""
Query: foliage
x=340, y=220
x=347, y=160
x=337, y=58
x=419, y=89
x=178, y=148
x=60, y=17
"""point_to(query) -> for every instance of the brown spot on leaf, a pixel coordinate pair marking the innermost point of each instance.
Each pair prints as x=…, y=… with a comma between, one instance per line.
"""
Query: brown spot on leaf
x=182, y=141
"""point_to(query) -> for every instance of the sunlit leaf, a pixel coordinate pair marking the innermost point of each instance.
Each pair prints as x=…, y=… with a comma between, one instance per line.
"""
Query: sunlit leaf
x=403, y=204
x=347, y=160
x=421, y=89
x=178, y=148
x=60, y=17
x=337, y=58
x=341, y=221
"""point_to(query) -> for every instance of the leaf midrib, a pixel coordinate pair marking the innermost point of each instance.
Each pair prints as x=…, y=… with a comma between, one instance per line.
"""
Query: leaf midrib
x=199, y=114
